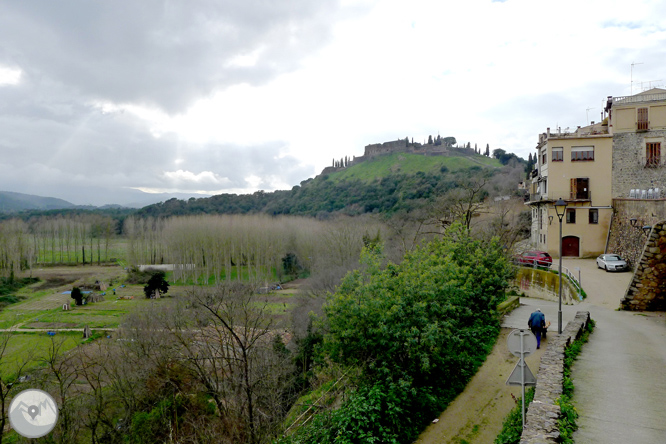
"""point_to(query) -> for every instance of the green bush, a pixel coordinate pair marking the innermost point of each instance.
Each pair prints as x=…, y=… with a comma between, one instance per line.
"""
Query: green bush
x=568, y=414
x=512, y=429
x=135, y=276
x=10, y=284
x=418, y=330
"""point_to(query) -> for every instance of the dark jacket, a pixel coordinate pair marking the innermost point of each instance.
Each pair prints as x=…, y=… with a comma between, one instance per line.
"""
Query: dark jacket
x=537, y=320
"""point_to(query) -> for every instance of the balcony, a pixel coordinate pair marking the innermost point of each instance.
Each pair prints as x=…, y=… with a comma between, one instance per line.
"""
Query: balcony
x=539, y=197
x=580, y=195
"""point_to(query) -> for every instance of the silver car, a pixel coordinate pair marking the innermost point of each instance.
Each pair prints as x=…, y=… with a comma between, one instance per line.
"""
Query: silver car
x=612, y=262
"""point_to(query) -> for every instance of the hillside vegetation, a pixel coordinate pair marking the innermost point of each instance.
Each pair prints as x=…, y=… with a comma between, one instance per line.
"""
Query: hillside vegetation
x=408, y=164
x=413, y=334
x=388, y=184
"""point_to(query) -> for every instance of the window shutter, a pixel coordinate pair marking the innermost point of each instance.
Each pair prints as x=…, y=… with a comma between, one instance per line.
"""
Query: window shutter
x=642, y=119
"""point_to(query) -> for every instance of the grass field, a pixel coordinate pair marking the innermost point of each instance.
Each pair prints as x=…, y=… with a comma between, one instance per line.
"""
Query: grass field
x=39, y=308
x=49, y=254
x=33, y=347
x=406, y=163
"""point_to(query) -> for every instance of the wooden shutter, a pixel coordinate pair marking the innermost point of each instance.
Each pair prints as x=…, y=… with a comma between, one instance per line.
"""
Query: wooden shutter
x=642, y=123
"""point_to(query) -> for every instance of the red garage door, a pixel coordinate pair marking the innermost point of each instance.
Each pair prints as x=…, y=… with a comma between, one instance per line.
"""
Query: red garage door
x=570, y=246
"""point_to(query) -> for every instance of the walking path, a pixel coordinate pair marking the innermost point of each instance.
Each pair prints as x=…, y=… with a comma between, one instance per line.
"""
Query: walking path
x=620, y=377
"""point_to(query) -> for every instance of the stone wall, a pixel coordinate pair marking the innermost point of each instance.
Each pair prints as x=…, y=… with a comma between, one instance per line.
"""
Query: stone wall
x=400, y=146
x=376, y=149
x=542, y=413
x=628, y=241
x=629, y=169
x=647, y=290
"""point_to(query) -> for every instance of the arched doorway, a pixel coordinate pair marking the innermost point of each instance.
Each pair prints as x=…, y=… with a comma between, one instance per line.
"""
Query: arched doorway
x=570, y=246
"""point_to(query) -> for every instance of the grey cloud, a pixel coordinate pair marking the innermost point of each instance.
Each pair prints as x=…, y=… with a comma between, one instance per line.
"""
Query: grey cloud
x=85, y=156
x=161, y=53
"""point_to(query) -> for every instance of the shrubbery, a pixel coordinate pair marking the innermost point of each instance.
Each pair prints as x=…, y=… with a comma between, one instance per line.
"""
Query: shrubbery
x=418, y=330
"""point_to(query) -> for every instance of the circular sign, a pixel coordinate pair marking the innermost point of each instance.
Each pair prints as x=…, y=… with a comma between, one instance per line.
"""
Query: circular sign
x=528, y=339
x=33, y=413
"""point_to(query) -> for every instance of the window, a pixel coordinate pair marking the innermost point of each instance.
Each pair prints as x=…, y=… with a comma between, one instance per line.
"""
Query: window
x=580, y=189
x=642, y=124
x=594, y=216
x=558, y=154
x=579, y=153
x=544, y=157
x=544, y=186
x=571, y=215
x=652, y=154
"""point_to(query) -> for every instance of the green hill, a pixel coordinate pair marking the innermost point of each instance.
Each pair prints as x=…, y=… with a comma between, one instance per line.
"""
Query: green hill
x=405, y=163
x=11, y=202
x=388, y=184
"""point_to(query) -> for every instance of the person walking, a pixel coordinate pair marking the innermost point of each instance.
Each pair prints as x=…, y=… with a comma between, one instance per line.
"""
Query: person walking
x=537, y=323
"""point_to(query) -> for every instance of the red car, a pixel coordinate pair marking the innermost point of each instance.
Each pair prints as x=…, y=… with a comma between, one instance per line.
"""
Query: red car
x=534, y=257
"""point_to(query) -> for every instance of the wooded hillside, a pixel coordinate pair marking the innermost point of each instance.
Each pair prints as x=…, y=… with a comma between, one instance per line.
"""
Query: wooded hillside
x=388, y=184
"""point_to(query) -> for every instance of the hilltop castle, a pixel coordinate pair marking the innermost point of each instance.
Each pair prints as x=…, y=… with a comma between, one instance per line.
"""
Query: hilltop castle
x=440, y=146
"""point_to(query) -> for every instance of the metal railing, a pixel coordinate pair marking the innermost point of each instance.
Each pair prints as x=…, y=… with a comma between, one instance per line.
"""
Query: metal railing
x=651, y=162
x=580, y=195
x=535, y=263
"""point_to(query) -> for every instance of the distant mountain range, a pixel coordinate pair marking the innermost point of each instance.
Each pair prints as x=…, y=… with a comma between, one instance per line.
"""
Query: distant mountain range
x=12, y=202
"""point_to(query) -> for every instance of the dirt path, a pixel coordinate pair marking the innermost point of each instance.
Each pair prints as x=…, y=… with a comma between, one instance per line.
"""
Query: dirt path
x=477, y=414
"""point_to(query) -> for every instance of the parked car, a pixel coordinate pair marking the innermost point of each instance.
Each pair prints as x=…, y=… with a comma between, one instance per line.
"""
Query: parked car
x=612, y=262
x=534, y=257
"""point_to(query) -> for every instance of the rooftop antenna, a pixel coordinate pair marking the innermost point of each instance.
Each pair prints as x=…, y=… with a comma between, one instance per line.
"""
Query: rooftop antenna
x=587, y=115
x=632, y=75
x=650, y=82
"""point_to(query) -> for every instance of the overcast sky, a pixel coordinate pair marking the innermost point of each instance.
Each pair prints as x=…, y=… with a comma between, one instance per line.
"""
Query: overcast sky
x=99, y=99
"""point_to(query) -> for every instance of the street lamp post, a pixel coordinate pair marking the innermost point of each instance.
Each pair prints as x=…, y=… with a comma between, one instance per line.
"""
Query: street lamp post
x=560, y=208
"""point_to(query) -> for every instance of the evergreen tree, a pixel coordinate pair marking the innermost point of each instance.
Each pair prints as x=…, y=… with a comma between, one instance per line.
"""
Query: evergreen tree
x=487, y=150
x=429, y=140
x=77, y=295
x=469, y=145
x=157, y=282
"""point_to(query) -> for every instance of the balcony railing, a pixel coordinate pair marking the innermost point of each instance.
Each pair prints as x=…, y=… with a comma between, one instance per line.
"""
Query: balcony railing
x=643, y=125
x=621, y=100
x=539, y=197
x=580, y=195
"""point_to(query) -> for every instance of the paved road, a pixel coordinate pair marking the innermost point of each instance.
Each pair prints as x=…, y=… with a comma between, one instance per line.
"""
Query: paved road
x=620, y=377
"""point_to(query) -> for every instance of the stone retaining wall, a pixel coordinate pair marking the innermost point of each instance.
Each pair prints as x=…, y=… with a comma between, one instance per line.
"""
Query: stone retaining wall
x=647, y=290
x=628, y=241
x=542, y=414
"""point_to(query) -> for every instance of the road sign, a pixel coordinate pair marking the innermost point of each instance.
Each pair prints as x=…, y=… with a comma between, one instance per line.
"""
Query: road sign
x=521, y=343
x=529, y=342
x=516, y=378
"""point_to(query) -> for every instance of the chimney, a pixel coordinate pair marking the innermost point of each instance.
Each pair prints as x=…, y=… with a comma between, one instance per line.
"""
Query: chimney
x=548, y=132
